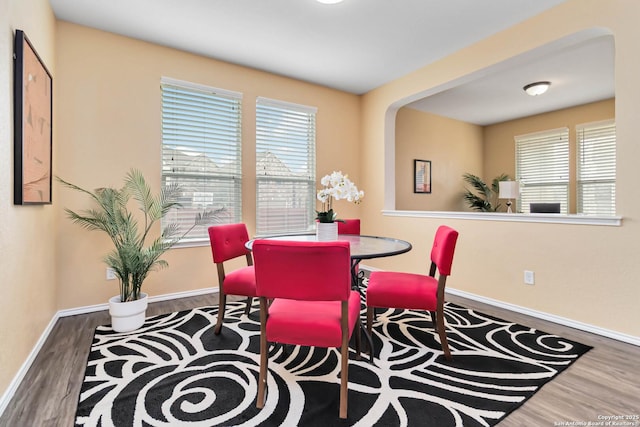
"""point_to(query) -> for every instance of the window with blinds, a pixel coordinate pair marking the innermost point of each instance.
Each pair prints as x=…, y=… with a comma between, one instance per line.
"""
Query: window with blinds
x=596, y=168
x=285, y=167
x=201, y=153
x=542, y=168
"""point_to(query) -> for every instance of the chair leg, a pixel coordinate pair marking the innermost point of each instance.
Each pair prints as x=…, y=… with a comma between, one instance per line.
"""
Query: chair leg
x=370, y=313
x=221, y=306
x=358, y=333
x=440, y=326
x=264, y=356
x=370, y=319
x=247, y=308
x=344, y=378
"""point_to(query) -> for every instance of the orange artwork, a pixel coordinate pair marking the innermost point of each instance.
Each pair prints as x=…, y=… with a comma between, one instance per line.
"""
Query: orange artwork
x=33, y=126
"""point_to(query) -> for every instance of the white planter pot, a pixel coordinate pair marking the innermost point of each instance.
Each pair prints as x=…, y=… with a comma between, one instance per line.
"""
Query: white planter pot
x=326, y=231
x=128, y=316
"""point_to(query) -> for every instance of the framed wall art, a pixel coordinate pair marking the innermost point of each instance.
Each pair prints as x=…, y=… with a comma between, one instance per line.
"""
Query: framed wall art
x=32, y=125
x=422, y=176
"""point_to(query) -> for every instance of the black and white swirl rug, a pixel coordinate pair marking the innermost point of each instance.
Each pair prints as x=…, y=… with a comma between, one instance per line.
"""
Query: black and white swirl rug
x=174, y=371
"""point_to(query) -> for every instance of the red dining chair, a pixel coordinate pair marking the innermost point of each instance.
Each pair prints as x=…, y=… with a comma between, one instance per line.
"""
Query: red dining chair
x=227, y=243
x=312, y=304
x=416, y=291
x=349, y=226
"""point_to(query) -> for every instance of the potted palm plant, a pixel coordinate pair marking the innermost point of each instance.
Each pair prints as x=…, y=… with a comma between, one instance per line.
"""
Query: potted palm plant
x=483, y=198
x=132, y=258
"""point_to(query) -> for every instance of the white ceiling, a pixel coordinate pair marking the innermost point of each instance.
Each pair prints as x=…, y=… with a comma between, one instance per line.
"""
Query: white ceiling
x=354, y=46
x=579, y=73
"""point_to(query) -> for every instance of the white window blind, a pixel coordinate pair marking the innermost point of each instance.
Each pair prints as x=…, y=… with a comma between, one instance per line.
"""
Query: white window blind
x=542, y=167
x=201, y=144
x=596, y=168
x=285, y=167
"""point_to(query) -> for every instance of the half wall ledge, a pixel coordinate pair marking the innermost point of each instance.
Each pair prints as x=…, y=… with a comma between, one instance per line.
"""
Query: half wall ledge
x=612, y=221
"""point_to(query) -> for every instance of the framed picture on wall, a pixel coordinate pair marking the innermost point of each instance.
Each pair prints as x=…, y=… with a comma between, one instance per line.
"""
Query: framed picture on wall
x=421, y=176
x=32, y=125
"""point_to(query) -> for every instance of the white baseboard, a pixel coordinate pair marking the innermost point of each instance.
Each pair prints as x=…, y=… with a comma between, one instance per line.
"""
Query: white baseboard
x=157, y=298
x=17, y=379
x=630, y=339
x=368, y=268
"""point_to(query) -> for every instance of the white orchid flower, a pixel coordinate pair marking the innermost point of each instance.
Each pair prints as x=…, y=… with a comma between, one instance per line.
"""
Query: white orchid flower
x=337, y=186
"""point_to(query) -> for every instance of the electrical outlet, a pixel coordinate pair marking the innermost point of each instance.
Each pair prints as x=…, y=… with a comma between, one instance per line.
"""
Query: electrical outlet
x=111, y=275
x=529, y=277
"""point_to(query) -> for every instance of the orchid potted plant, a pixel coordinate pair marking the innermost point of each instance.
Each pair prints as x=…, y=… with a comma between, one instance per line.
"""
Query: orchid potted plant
x=336, y=186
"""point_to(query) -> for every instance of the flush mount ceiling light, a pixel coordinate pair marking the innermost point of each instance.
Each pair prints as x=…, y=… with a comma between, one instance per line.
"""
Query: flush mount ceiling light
x=329, y=1
x=537, y=88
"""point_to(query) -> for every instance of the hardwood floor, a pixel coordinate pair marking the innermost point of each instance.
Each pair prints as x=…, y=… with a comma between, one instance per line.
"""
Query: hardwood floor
x=604, y=382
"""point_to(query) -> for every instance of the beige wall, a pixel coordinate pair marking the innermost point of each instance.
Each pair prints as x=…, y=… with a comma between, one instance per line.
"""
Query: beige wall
x=452, y=146
x=499, y=146
x=27, y=233
x=109, y=111
x=585, y=273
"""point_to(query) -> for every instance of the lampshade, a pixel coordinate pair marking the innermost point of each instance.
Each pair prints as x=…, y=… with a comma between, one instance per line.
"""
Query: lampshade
x=509, y=189
x=329, y=1
x=537, y=88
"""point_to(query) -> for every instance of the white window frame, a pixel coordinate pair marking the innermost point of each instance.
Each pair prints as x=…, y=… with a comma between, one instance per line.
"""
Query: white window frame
x=596, y=168
x=285, y=167
x=542, y=168
x=201, y=151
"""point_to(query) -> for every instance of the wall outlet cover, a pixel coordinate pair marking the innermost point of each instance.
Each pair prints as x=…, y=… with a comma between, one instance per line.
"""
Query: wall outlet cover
x=529, y=277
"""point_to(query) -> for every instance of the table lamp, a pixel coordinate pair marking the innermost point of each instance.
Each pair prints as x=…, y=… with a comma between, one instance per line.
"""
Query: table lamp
x=509, y=190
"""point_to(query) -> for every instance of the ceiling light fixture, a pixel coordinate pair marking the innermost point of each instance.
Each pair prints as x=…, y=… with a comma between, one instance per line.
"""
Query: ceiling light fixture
x=537, y=88
x=329, y=1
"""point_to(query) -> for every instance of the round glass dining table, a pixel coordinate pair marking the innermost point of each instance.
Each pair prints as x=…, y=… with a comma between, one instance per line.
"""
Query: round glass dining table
x=361, y=247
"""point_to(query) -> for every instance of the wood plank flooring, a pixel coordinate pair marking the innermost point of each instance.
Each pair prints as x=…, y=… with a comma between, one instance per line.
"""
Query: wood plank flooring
x=604, y=382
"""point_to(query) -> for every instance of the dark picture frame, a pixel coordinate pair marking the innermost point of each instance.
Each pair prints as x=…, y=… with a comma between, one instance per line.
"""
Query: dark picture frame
x=422, y=176
x=33, y=136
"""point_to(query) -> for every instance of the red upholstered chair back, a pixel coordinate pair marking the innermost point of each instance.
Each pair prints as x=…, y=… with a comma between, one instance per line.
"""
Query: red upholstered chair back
x=314, y=271
x=227, y=241
x=444, y=245
x=349, y=226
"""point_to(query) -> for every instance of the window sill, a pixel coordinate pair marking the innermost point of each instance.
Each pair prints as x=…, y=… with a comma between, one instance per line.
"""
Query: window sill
x=613, y=221
x=191, y=244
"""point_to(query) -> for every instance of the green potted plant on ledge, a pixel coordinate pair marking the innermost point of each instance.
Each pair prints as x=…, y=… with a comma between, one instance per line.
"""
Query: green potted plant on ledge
x=132, y=258
x=483, y=198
